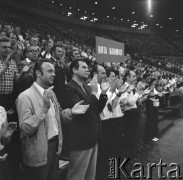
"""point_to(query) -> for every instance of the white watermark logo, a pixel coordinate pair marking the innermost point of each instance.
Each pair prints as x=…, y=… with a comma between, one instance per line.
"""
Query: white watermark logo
x=141, y=171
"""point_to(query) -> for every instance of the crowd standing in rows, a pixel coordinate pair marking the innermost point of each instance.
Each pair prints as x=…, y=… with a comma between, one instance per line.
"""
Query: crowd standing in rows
x=64, y=101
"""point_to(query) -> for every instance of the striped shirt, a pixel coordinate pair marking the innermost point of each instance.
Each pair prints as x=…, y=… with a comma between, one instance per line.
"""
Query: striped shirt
x=8, y=78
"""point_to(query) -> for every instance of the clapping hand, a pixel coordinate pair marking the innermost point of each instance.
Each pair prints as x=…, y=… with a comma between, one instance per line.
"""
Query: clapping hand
x=26, y=68
x=3, y=158
x=113, y=85
x=7, y=131
x=94, y=85
x=79, y=108
x=105, y=86
x=10, y=111
x=46, y=98
x=130, y=88
x=123, y=89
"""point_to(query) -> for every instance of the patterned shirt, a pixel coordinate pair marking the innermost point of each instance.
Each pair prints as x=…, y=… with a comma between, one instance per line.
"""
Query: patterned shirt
x=7, y=79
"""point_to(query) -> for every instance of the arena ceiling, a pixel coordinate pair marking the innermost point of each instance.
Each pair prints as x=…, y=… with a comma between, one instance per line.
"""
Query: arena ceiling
x=165, y=13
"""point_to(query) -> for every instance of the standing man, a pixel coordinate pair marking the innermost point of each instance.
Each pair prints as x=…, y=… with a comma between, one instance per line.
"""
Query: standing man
x=40, y=120
x=84, y=129
x=57, y=53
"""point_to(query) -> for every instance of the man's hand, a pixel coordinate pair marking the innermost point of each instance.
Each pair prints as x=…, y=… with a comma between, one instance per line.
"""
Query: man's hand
x=79, y=109
x=123, y=89
x=94, y=85
x=105, y=86
x=8, y=59
x=25, y=68
x=3, y=158
x=113, y=85
x=7, y=131
x=120, y=83
x=46, y=98
x=130, y=88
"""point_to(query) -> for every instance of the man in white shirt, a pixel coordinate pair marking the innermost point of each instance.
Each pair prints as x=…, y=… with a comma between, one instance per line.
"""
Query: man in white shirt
x=40, y=118
x=131, y=114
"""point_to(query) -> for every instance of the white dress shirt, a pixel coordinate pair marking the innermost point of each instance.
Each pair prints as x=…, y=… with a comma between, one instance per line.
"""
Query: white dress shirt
x=53, y=125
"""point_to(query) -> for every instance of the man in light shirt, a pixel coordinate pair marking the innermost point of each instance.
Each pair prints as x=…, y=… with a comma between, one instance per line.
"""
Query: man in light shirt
x=40, y=118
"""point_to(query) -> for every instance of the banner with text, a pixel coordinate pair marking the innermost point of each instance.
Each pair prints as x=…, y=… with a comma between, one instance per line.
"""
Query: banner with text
x=109, y=51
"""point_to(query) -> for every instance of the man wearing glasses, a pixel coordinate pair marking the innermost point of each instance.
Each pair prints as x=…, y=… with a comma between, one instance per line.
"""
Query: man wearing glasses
x=27, y=65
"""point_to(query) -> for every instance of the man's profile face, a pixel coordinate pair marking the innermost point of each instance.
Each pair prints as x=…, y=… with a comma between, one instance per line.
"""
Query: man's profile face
x=101, y=74
x=5, y=48
x=132, y=78
x=76, y=55
x=82, y=72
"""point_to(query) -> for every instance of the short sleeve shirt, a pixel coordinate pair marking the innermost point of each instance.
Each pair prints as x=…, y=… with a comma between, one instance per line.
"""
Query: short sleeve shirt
x=7, y=79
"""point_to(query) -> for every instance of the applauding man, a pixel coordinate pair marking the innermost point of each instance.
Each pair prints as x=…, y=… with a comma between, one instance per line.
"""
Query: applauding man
x=84, y=129
x=40, y=118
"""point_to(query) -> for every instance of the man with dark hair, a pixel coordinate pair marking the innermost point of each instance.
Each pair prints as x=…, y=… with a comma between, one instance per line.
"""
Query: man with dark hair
x=40, y=118
x=28, y=64
x=57, y=53
x=84, y=129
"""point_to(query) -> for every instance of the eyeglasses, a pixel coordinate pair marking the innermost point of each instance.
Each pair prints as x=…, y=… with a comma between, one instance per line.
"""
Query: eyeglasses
x=6, y=47
x=33, y=51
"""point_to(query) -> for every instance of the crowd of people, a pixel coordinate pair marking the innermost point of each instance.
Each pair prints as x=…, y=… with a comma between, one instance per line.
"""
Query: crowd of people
x=57, y=100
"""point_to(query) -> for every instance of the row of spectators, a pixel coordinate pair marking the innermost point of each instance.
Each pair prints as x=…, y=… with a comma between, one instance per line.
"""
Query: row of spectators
x=131, y=93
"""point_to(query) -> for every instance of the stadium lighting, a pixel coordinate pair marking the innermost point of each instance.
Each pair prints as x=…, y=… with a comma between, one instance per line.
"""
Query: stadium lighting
x=149, y=6
x=69, y=13
x=83, y=18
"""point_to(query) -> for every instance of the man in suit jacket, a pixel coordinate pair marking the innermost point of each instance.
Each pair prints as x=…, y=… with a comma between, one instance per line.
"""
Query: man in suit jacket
x=84, y=129
x=27, y=78
x=57, y=54
x=40, y=119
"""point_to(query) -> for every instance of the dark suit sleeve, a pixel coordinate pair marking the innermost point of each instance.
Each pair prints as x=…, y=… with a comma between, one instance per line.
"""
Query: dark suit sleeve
x=102, y=101
x=71, y=97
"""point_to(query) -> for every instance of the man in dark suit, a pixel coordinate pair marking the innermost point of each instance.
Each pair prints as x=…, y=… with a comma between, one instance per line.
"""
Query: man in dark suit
x=84, y=129
x=57, y=58
x=28, y=64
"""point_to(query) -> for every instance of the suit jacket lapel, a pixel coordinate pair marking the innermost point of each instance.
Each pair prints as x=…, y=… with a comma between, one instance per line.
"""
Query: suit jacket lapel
x=82, y=94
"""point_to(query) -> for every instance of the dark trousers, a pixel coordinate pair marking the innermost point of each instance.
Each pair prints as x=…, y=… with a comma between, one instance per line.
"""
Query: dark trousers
x=50, y=171
x=7, y=101
x=154, y=124
x=5, y=173
x=149, y=119
x=104, y=148
x=13, y=148
x=130, y=131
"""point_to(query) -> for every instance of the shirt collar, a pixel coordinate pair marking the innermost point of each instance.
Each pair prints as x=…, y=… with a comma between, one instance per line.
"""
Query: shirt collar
x=28, y=60
x=41, y=90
